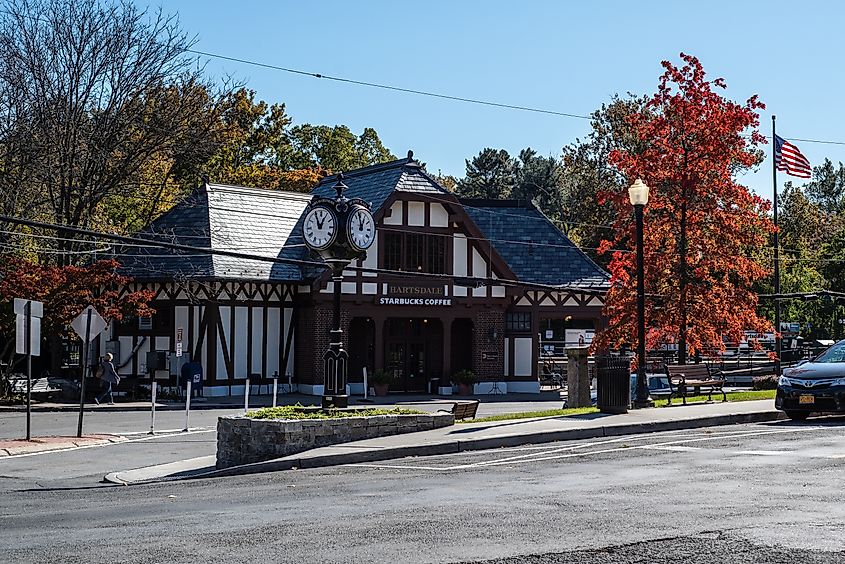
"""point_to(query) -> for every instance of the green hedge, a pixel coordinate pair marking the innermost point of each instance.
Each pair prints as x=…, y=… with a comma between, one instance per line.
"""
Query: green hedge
x=301, y=412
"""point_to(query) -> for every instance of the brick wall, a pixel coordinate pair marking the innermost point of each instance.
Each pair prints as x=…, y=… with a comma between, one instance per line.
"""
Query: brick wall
x=488, y=356
x=313, y=340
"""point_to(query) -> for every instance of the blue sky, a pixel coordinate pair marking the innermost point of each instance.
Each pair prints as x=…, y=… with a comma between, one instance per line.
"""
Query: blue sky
x=557, y=55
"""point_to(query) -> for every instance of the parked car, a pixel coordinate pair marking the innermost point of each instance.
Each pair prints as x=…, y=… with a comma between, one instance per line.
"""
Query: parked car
x=816, y=385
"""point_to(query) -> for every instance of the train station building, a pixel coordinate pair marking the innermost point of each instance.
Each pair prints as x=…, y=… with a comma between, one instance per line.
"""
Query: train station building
x=450, y=284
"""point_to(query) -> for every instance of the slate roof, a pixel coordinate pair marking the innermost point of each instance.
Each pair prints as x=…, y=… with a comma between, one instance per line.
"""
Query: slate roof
x=375, y=184
x=533, y=247
x=233, y=218
x=268, y=223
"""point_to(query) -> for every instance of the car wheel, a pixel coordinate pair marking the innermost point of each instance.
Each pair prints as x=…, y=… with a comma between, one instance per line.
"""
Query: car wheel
x=798, y=415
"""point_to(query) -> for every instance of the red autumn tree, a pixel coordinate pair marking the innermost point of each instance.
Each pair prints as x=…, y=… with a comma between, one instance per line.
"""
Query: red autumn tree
x=65, y=292
x=701, y=226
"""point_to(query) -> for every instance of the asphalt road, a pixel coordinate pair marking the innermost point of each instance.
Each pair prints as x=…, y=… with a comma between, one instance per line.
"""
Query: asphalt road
x=761, y=493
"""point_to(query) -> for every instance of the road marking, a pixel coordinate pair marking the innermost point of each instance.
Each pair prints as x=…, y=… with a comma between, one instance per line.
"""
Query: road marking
x=673, y=448
x=568, y=451
x=147, y=438
x=765, y=452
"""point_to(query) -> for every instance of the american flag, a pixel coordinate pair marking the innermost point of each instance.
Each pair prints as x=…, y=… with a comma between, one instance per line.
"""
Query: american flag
x=790, y=160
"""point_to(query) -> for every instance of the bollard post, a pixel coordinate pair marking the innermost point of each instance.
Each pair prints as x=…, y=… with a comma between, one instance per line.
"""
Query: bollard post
x=365, y=382
x=275, y=388
x=246, y=396
x=187, y=408
x=153, y=407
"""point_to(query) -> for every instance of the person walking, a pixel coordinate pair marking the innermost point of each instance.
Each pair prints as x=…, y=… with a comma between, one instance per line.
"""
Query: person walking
x=109, y=377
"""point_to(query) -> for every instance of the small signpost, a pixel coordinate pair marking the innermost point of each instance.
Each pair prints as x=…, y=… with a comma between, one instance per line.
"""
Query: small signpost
x=28, y=341
x=179, y=333
x=87, y=325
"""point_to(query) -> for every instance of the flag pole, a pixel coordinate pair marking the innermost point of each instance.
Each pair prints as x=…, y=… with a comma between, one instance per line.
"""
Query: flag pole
x=778, y=341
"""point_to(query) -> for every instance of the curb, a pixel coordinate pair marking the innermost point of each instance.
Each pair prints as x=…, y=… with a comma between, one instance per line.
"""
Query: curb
x=463, y=445
x=93, y=408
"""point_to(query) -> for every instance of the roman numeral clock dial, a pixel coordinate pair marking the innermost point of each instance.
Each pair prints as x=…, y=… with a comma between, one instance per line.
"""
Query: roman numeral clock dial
x=320, y=227
x=361, y=229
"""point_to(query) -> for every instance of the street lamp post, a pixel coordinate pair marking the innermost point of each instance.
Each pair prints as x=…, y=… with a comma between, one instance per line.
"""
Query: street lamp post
x=638, y=193
x=340, y=230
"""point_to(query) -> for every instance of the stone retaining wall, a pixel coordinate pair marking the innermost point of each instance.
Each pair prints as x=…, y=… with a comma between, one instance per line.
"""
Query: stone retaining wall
x=241, y=440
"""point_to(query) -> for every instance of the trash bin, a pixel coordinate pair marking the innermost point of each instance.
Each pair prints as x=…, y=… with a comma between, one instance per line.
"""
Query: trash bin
x=613, y=380
x=433, y=386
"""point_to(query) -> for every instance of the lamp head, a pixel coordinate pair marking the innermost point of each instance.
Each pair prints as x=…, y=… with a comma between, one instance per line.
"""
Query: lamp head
x=638, y=193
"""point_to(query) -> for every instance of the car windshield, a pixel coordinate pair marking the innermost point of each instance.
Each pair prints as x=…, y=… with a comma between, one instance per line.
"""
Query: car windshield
x=836, y=353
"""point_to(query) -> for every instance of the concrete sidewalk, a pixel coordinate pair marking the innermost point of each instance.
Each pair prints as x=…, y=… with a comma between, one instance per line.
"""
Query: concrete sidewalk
x=16, y=447
x=543, y=400
x=475, y=436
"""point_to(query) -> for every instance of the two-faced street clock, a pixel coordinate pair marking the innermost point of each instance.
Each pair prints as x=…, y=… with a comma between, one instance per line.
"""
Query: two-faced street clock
x=340, y=230
x=361, y=228
x=320, y=227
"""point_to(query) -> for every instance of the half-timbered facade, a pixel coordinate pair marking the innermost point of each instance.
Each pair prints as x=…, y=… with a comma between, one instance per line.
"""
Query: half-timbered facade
x=236, y=316
x=449, y=284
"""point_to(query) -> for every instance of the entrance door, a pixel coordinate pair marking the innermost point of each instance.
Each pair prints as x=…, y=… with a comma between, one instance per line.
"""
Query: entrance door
x=395, y=363
x=411, y=352
x=416, y=367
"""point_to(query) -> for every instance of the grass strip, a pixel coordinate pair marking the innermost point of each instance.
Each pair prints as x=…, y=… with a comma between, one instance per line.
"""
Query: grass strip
x=533, y=414
x=717, y=397
x=659, y=402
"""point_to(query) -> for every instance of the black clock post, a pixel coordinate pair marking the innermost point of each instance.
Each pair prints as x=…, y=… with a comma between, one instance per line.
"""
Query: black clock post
x=340, y=230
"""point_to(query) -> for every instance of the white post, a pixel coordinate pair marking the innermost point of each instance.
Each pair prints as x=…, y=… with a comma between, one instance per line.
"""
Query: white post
x=365, y=382
x=246, y=396
x=153, y=407
x=275, y=390
x=187, y=408
x=290, y=383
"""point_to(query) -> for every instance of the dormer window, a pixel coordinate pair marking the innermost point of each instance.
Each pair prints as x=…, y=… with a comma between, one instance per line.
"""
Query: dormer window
x=415, y=252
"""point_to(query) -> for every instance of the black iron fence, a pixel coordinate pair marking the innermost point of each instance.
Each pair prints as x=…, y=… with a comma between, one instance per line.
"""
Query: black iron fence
x=739, y=365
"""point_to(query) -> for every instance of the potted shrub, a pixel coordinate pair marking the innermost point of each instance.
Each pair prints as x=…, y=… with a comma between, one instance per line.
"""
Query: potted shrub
x=465, y=379
x=381, y=380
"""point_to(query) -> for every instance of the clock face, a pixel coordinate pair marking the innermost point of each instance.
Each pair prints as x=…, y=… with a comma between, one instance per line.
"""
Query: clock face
x=319, y=227
x=362, y=229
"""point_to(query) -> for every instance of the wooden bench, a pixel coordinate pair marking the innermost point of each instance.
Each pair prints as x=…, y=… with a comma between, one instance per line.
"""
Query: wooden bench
x=464, y=409
x=686, y=378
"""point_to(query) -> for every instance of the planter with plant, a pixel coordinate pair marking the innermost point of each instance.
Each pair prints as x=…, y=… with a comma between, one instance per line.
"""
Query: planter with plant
x=465, y=380
x=381, y=380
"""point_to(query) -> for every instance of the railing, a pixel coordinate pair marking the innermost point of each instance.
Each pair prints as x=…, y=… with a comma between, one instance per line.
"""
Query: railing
x=740, y=366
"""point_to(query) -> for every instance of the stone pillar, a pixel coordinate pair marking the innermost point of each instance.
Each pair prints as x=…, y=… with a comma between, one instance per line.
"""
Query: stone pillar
x=577, y=377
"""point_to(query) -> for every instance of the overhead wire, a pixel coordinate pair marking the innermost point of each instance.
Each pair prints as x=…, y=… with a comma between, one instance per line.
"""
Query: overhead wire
x=483, y=281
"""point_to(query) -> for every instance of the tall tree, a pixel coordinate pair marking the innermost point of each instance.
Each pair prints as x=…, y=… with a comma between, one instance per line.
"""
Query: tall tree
x=538, y=179
x=85, y=89
x=587, y=173
x=335, y=148
x=701, y=224
x=490, y=174
x=65, y=292
x=827, y=187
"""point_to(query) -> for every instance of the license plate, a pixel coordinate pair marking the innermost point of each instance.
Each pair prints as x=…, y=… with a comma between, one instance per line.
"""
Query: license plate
x=806, y=399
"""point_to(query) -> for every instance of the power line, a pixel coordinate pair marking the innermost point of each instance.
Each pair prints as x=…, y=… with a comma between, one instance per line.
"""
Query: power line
x=478, y=281
x=389, y=86
x=394, y=88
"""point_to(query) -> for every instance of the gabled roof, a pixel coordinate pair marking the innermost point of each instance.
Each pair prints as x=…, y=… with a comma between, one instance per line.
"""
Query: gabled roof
x=250, y=220
x=376, y=183
x=533, y=247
